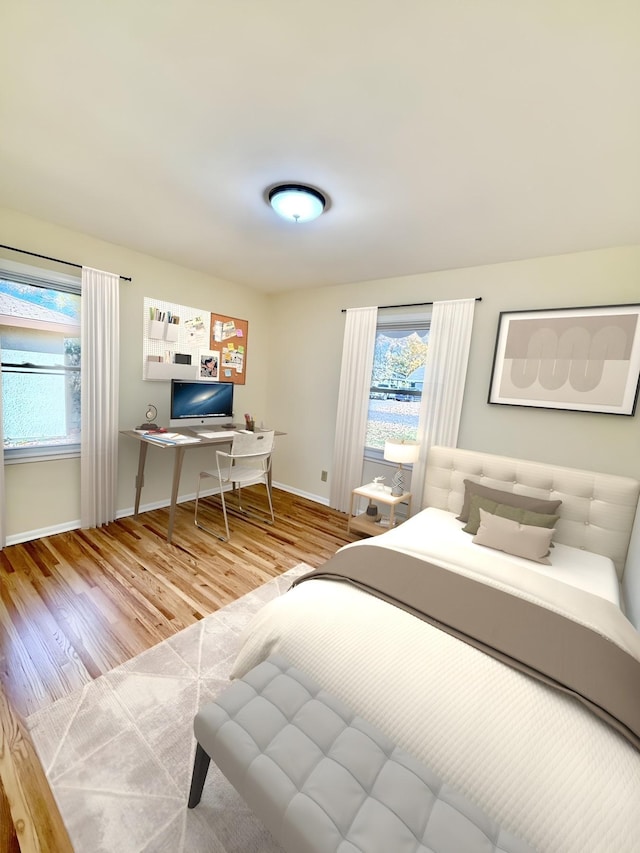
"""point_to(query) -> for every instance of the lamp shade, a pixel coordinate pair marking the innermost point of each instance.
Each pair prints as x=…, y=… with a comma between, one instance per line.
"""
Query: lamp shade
x=403, y=452
x=297, y=202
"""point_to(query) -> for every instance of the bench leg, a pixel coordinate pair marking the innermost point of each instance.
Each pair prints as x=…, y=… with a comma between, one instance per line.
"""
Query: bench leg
x=200, y=768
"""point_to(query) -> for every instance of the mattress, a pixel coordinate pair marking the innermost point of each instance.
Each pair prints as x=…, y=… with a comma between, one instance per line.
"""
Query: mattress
x=436, y=535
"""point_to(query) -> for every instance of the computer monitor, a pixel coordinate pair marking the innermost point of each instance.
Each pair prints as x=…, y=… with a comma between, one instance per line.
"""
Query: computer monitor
x=200, y=403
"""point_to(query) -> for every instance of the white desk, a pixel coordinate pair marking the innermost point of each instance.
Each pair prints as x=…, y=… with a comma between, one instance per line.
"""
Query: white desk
x=178, y=451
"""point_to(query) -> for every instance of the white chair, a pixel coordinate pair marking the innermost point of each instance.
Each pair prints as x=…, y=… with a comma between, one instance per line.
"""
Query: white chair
x=248, y=462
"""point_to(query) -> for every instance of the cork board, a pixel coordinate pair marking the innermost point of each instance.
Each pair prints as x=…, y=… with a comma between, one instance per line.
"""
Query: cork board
x=229, y=338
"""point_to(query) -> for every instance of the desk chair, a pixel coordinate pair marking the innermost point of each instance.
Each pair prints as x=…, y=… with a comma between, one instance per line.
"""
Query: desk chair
x=248, y=462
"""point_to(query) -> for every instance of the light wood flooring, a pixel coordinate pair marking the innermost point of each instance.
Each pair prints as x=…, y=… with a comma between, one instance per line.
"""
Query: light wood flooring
x=75, y=605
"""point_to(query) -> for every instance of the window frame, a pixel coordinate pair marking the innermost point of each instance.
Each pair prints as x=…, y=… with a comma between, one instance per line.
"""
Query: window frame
x=50, y=280
x=415, y=320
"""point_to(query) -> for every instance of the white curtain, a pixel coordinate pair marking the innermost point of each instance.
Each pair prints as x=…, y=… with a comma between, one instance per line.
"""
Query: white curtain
x=99, y=396
x=444, y=380
x=353, y=404
x=3, y=513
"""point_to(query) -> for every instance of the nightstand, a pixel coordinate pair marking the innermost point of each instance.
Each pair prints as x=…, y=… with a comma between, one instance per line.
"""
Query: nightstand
x=360, y=523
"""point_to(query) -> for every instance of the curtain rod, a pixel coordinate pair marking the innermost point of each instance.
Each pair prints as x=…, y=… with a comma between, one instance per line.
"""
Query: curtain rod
x=47, y=258
x=407, y=305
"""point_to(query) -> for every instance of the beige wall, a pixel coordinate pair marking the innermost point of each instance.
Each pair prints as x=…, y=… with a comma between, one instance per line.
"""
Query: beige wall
x=44, y=496
x=303, y=390
x=293, y=363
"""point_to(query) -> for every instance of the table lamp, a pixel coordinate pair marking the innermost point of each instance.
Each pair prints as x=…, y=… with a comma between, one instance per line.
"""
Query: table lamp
x=404, y=452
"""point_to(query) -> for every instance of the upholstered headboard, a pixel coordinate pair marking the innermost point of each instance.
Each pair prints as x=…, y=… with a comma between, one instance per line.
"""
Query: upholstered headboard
x=597, y=510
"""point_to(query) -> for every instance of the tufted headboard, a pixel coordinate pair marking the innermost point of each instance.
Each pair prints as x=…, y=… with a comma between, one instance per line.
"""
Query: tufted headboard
x=597, y=510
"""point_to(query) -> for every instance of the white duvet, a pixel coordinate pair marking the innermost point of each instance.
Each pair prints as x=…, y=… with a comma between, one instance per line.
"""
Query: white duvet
x=533, y=758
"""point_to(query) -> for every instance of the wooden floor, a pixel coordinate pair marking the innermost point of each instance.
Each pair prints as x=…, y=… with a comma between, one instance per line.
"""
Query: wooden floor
x=75, y=605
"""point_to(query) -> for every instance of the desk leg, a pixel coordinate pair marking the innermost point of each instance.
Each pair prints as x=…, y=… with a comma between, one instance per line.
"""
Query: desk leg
x=140, y=476
x=177, y=468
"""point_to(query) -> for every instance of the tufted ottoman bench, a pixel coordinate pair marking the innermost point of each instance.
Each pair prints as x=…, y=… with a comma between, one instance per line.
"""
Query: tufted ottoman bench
x=322, y=780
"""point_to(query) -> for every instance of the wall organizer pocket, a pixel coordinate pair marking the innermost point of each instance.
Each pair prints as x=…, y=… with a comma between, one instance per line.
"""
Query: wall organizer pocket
x=156, y=330
x=163, y=370
x=171, y=332
x=164, y=330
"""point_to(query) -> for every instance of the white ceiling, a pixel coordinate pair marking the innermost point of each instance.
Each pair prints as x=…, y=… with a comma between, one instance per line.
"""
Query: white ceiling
x=447, y=133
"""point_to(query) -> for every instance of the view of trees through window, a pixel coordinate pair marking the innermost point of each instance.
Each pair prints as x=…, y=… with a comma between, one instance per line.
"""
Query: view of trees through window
x=40, y=366
x=396, y=383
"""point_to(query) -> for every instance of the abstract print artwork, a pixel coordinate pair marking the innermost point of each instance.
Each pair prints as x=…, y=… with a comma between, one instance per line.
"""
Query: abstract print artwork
x=583, y=359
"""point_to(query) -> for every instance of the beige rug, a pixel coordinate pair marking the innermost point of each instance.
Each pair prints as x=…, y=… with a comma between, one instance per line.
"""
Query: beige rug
x=118, y=753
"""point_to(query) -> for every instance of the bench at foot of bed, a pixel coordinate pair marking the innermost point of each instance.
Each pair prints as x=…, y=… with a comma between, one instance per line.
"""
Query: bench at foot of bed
x=322, y=779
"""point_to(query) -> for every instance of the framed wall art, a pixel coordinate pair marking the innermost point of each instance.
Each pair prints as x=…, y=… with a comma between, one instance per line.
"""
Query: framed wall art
x=578, y=359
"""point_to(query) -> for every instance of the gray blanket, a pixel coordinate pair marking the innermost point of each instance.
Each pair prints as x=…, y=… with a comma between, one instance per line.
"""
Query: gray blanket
x=537, y=640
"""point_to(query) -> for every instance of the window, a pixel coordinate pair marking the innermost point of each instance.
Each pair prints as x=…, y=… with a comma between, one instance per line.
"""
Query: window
x=396, y=382
x=40, y=351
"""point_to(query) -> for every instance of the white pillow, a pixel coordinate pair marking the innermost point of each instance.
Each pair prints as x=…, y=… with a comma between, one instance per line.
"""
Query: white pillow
x=520, y=540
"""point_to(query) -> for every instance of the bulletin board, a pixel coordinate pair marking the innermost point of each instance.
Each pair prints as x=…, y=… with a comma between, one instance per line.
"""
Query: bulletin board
x=229, y=338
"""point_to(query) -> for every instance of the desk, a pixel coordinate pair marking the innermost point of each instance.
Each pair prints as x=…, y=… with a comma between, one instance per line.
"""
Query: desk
x=178, y=451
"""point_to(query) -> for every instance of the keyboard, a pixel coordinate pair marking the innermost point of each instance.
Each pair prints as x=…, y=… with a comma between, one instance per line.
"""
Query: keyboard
x=217, y=433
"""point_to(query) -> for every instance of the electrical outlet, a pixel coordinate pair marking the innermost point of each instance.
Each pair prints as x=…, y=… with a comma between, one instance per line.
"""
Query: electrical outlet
x=323, y=476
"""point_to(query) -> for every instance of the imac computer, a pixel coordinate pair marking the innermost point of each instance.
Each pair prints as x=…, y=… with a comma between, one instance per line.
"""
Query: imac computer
x=201, y=404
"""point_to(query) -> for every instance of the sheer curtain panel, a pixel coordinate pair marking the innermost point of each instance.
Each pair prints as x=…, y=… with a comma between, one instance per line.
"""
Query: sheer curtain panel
x=353, y=404
x=3, y=512
x=445, y=377
x=99, y=395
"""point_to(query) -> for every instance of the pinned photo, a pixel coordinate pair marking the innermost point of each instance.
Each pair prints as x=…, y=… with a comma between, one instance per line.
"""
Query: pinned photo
x=209, y=364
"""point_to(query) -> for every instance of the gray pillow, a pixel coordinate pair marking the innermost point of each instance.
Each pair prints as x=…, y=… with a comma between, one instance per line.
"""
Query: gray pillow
x=520, y=540
x=541, y=505
x=515, y=513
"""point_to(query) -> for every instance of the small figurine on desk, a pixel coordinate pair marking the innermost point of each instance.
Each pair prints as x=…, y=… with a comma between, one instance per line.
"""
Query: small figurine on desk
x=250, y=423
x=150, y=415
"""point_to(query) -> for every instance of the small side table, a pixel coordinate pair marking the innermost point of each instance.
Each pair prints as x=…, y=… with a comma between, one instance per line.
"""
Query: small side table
x=360, y=523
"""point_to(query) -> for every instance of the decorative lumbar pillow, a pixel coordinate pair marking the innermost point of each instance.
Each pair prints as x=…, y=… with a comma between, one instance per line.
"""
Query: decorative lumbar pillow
x=471, y=488
x=520, y=540
x=515, y=513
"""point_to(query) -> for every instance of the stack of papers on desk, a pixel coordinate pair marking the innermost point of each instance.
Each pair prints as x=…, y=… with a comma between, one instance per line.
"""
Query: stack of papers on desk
x=171, y=438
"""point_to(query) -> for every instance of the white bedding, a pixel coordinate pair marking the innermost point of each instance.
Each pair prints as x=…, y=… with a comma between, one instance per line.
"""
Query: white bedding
x=533, y=758
x=436, y=534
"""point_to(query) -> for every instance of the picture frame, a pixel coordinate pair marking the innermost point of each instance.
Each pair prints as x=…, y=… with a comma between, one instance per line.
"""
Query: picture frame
x=209, y=364
x=573, y=359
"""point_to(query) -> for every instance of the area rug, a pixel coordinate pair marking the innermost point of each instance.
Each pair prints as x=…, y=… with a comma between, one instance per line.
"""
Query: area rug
x=118, y=753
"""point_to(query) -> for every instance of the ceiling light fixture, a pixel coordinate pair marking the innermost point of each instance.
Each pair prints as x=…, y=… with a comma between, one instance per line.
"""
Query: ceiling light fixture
x=297, y=202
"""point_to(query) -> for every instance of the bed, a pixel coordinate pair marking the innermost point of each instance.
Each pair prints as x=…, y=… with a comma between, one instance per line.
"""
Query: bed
x=557, y=768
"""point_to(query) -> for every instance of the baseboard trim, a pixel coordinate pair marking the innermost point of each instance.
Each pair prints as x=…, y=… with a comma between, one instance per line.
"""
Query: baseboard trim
x=41, y=533
x=292, y=491
x=28, y=535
